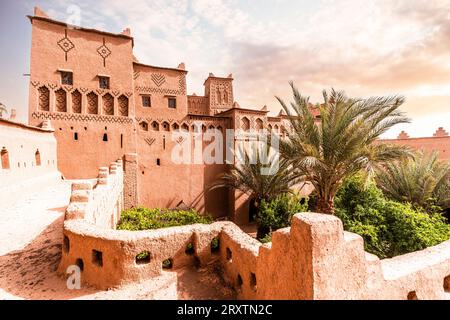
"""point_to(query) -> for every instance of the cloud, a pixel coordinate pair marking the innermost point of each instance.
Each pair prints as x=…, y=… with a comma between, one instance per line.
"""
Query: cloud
x=364, y=47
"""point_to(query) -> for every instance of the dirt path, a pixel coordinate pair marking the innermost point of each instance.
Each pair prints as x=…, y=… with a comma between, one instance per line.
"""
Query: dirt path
x=30, y=250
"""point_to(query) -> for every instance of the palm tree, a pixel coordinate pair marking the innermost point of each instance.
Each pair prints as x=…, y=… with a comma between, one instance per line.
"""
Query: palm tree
x=421, y=181
x=344, y=141
x=2, y=110
x=250, y=178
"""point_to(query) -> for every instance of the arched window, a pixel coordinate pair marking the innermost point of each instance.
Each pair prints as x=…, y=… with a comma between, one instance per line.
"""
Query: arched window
x=144, y=125
x=76, y=101
x=44, y=99
x=5, y=158
x=245, y=124
x=259, y=124
x=108, y=105
x=123, y=106
x=37, y=157
x=175, y=126
x=165, y=126
x=185, y=127
x=61, y=100
x=92, y=101
x=155, y=126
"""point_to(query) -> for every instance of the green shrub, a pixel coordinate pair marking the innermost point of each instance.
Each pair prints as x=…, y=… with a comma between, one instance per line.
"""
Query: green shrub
x=389, y=228
x=267, y=238
x=215, y=244
x=145, y=219
x=277, y=213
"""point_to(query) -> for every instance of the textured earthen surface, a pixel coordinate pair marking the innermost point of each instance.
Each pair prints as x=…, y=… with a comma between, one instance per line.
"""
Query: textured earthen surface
x=313, y=259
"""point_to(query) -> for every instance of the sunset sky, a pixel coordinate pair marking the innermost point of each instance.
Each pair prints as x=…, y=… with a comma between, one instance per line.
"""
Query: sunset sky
x=363, y=47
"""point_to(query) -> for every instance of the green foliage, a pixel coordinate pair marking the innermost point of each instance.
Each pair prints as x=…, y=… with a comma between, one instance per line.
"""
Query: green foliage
x=145, y=219
x=143, y=255
x=277, y=213
x=389, y=228
x=344, y=142
x=267, y=238
x=423, y=181
x=215, y=244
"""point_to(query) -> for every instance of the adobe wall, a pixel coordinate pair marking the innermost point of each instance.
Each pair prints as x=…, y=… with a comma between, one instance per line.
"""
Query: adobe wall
x=440, y=142
x=29, y=160
x=313, y=259
x=92, y=125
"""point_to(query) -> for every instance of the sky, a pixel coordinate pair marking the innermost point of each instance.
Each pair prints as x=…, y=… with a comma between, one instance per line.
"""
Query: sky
x=366, y=48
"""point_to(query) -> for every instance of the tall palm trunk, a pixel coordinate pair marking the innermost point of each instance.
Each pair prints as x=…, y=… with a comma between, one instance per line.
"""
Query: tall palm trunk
x=325, y=205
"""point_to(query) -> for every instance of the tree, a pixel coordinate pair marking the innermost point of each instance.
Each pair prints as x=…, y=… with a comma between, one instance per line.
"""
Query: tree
x=2, y=110
x=422, y=181
x=250, y=178
x=343, y=143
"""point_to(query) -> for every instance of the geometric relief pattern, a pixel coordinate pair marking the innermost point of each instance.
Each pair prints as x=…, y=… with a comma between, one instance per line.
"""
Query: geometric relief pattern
x=76, y=101
x=104, y=52
x=65, y=44
x=158, y=79
x=44, y=99
x=259, y=124
x=245, y=124
x=61, y=100
x=92, y=103
x=180, y=91
x=123, y=106
x=108, y=104
x=80, y=117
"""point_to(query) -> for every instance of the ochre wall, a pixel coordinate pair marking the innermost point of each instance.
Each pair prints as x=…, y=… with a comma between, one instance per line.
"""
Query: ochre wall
x=24, y=175
x=439, y=142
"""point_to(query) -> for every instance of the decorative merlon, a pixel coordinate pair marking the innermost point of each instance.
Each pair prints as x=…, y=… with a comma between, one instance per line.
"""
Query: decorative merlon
x=403, y=135
x=440, y=132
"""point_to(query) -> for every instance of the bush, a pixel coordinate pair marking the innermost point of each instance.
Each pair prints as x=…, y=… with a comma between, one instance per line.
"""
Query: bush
x=145, y=219
x=277, y=213
x=389, y=228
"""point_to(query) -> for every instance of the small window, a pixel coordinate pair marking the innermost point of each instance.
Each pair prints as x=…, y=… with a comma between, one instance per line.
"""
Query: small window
x=103, y=82
x=75, y=136
x=158, y=162
x=66, y=78
x=5, y=158
x=37, y=157
x=105, y=137
x=172, y=102
x=146, y=101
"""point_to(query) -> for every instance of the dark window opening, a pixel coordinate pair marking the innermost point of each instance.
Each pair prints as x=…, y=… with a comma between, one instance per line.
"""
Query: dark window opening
x=412, y=296
x=79, y=262
x=253, y=281
x=215, y=245
x=5, y=158
x=66, y=244
x=67, y=78
x=167, y=264
x=190, y=249
x=229, y=254
x=143, y=257
x=75, y=136
x=164, y=142
x=239, y=282
x=103, y=82
x=105, y=137
x=97, y=258
x=37, y=157
x=158, y=162
x=146, y=101
x=447, y=284
x=121, y=141
x=172, y=102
